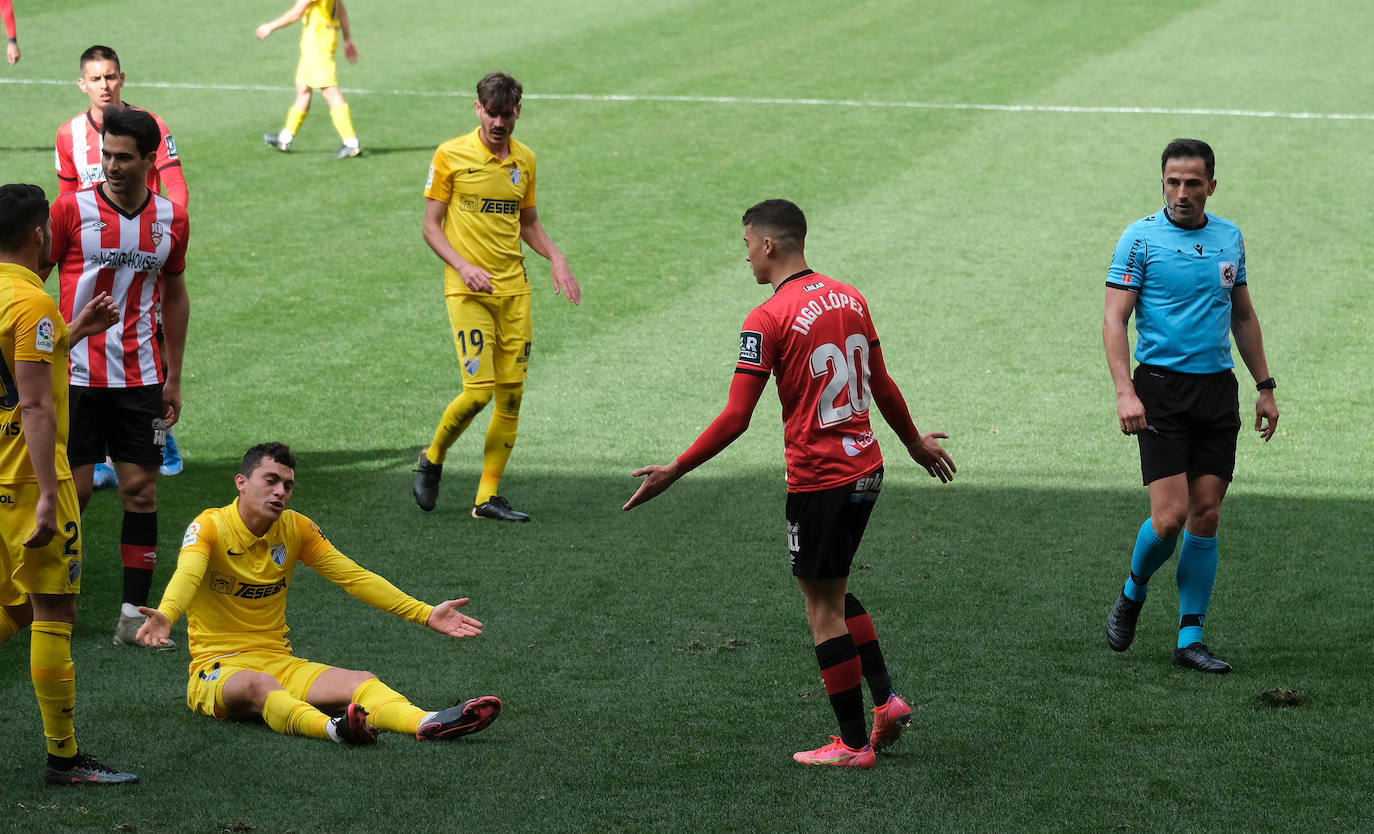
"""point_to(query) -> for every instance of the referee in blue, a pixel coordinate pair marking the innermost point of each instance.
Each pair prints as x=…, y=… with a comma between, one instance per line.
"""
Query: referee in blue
x=1182, y=272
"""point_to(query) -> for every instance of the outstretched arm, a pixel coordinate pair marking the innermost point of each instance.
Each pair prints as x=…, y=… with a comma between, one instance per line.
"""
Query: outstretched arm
x=1249, y=341
x=291, y=16
x=447, y=619
x=100, y=313
x=192, y=563
x=532, y=232
x=745, y=390
x=925, y=449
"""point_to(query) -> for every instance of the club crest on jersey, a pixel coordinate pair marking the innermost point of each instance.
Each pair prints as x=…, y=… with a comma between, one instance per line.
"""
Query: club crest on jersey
x=221, y=583
x=855, y=445
x=155, y=232
x=470, y=365
x=43, y=336
x=751, y=347
x=279, y=554
x=514, y=176
x=1228, y=274
x=73, y=570
x=192, y=534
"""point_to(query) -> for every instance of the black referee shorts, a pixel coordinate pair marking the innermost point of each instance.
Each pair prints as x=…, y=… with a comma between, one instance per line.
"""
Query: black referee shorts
x=124, y=423
x=1192, y=420
x=824, y=528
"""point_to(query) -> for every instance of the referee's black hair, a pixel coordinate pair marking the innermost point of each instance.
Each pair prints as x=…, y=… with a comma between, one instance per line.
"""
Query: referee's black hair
x=279, y=452
x=130, y=121
x=22, y=208
x=780, y=219
x=1190, y=149
x=99, y=53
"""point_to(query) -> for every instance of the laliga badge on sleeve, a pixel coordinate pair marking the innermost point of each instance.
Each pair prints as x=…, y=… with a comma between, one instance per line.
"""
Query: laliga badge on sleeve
x=192, y=534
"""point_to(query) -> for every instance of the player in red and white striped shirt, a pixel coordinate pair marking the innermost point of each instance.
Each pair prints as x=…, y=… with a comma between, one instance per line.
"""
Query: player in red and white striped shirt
x=79, y=139
x=122, y=238
x=816, y=337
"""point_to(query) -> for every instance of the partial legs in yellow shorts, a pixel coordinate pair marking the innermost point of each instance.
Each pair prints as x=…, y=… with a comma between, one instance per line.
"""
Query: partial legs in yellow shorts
x=316, y=71
x=492, y=337
x=38, y=588
x=297, y=697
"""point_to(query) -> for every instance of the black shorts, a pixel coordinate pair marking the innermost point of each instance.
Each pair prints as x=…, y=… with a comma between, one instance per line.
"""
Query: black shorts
x=824, y=528
x=1193, y=422
x=124, y=423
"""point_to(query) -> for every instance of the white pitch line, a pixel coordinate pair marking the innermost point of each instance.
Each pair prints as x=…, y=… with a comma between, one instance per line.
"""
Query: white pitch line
x=786, y=102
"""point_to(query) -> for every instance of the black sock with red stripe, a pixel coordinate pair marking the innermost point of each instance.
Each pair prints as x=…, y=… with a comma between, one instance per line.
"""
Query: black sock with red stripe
x=843, y=676
x=138, y=551
x=865, y=636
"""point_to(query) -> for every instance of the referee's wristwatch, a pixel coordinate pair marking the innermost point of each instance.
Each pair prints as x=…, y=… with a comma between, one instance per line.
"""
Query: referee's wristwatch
x=1268, y=385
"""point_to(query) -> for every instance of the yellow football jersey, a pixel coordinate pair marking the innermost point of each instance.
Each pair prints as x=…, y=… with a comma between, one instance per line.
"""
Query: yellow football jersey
x=232, y=584
x=31, y=330
x=484, y=196
x=319, y=19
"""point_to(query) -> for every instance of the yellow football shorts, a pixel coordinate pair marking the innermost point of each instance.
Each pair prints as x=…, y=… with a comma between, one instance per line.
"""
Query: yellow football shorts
x=316, y=69
x=54, y=568
x=492, y=337
x=205, y=689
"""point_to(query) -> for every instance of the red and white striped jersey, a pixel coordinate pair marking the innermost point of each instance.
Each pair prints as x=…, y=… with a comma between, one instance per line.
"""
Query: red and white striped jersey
x=99, y=248
x=79, y=143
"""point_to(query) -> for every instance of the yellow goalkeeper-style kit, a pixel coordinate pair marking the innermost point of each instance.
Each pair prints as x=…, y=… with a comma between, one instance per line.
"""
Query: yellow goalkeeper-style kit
x=319, y=39
x=232, y=584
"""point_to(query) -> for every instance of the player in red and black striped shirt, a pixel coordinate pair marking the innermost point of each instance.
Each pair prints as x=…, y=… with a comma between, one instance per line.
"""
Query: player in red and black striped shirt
x=125, y=240
x=816, y=337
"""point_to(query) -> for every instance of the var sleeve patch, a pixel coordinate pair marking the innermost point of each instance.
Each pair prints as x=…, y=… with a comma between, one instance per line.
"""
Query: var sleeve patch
x=751, y=347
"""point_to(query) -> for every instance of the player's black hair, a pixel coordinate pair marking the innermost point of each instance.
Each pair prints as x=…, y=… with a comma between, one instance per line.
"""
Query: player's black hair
x=98, y=53
x=22, y=208
x=130, y=121
x=779, y=219
x=499, y=93
x=1189, y=149
x=279, y=452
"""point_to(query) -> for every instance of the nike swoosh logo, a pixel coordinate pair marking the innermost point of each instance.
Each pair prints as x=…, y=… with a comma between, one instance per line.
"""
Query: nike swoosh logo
x=233, y=552
x=69, y=709
x=508, y=446
x=473, y=170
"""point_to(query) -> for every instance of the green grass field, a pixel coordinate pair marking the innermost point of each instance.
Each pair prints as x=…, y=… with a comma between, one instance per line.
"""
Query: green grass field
x=655, y=666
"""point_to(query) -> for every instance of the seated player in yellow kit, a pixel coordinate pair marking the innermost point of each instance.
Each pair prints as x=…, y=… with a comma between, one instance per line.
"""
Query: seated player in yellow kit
x=231, y=580
x=479, y=206
x=321, y=23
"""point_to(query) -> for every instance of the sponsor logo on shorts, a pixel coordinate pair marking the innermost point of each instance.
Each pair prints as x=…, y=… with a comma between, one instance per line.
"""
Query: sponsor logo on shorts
x=793, y=542
x=159, y=432
x=751, y=347
x=1228, y=274
x=7, y=499
x=44, y=336
x=470, y=365
x=192, y=534
x=279, y=554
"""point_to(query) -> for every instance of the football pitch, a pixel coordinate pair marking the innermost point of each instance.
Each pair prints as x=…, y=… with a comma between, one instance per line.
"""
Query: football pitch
x=969, y=166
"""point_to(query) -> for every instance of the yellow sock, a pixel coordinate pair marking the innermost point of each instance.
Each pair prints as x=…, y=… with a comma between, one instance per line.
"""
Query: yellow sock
x=8, y=627
x=505, y=419
x=294, y=119
x=290, y=717
x=387, y=708
x=455, y=421
x=54, y=682
x=343, y=123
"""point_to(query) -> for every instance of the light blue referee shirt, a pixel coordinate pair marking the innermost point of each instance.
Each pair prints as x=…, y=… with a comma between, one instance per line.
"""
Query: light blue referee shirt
x=1182, y=279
